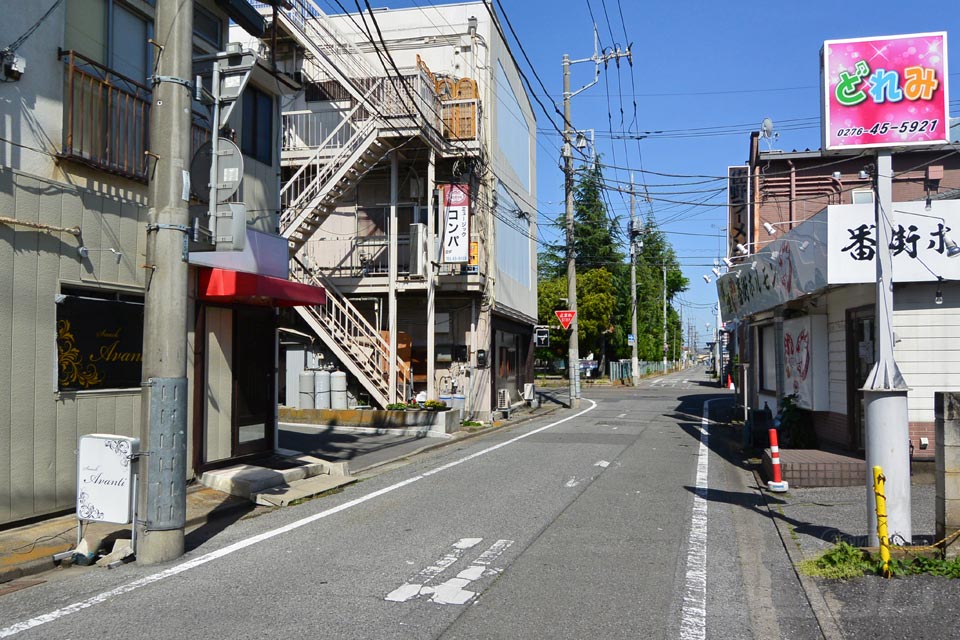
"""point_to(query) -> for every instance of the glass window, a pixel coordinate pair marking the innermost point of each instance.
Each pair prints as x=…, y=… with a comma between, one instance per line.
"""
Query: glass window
x=768, y=358
x=256, y=137
x=207, y=27
x=129, y=44
x=110, y=34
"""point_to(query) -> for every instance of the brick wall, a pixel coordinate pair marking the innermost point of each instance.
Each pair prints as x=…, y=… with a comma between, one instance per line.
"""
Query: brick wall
x=923, y=430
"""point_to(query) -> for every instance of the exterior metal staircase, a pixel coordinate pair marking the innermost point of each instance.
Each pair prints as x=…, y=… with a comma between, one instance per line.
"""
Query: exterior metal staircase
x=357, y=344
x=336, y=165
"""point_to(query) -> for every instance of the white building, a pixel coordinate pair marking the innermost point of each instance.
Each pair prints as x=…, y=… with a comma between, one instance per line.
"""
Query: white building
x=417, y=300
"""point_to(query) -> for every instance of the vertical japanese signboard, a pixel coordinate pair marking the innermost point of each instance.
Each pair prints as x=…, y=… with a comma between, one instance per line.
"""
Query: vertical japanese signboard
x=456, y=223
x=738, y=200
x=885, y=91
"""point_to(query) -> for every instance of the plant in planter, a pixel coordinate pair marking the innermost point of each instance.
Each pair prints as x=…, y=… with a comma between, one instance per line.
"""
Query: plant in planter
x=435, y=405
x=795, y=425
x=396, y=406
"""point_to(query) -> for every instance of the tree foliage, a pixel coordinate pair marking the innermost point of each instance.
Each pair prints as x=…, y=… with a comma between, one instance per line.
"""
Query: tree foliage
x=603, y=281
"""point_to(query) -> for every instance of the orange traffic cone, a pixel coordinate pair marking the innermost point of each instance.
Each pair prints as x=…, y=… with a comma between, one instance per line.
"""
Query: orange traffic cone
x=730, y=382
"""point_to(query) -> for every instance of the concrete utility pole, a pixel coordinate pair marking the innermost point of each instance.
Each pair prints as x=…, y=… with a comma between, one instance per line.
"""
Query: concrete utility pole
x=568, y=133
x=634, y=361
x=573, y=357
x=664, y=268
x=162, y=485
x=885, y=391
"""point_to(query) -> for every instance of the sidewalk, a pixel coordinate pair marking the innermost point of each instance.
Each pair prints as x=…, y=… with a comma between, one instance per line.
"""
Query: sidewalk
x=29, y=549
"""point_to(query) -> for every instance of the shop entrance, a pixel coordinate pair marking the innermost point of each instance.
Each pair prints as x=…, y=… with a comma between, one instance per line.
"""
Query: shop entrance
x=860, y=324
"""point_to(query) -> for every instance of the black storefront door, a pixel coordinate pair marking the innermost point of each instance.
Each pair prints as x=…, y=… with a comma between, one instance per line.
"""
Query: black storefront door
x=860, y=358
x=253, y=380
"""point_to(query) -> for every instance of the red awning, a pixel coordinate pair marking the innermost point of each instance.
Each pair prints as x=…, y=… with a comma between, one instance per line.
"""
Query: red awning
x=224, y=285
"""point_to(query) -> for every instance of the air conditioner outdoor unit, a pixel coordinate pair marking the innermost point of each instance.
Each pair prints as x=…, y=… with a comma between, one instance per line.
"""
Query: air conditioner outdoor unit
x=418, y=256
x=503, y=400
x=528, y=392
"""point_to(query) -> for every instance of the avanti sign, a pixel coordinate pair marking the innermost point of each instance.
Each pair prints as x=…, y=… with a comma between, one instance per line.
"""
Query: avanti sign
x=885, y=91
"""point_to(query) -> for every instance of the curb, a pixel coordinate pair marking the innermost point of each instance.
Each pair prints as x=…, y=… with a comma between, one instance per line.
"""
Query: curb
x=469, y=435
x=41, y=565
x=829, y=627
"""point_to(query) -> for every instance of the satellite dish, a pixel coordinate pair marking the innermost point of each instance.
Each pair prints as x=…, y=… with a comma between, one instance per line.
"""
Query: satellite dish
x=229, y=170
x=766, y=128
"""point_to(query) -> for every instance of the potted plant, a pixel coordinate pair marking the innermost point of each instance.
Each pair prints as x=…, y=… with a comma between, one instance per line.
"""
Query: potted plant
x=396, y=406
x=435, y=405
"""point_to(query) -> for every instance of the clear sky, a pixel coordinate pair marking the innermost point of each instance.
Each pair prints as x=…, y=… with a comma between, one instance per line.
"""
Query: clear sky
x=705, y=73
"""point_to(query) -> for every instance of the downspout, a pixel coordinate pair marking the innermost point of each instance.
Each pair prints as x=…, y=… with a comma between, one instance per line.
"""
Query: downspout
x=793, y=193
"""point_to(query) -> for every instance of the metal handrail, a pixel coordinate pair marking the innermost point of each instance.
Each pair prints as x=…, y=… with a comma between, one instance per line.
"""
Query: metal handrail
x=340, y=314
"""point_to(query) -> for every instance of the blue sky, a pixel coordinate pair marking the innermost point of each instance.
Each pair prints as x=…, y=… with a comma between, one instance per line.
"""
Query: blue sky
x=704, y=74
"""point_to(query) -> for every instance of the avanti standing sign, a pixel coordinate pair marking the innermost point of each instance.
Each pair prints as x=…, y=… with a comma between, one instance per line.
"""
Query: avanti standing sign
x=885, y=91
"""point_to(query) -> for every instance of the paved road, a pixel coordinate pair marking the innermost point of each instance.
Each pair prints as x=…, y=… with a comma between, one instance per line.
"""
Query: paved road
x=622, y=520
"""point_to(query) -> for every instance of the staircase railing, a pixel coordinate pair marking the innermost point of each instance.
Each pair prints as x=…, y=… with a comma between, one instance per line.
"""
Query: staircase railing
x=358, y=340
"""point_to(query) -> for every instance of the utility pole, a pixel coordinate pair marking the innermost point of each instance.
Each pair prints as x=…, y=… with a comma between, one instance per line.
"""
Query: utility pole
x=162, y=485
x=573, y=358
x=634, y=361
x=568, y=133
x=664, y=267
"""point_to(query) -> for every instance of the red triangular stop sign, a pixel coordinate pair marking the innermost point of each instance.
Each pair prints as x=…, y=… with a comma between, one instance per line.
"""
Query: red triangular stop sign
x=565, y=317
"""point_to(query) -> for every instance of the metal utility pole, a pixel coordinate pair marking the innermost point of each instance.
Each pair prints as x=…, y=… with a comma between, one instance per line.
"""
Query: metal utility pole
x=568, y=133
x=431, y=277
x=885, y=391
x=634, y=361
x=162, y=485
x=392, y=276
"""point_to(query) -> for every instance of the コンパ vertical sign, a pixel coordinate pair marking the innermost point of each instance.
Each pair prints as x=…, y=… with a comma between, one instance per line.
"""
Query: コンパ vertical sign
x=885, y=91
x=456, y=223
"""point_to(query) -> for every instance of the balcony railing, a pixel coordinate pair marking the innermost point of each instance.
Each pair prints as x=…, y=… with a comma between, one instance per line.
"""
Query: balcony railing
x=460, y=119
x=367, y=257
x=106, y=119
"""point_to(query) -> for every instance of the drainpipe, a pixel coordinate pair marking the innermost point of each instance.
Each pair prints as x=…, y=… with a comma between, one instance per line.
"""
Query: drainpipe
x=793, y=192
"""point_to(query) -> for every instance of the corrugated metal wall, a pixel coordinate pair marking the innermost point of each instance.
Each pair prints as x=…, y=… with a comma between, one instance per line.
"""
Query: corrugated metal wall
x=39, y=428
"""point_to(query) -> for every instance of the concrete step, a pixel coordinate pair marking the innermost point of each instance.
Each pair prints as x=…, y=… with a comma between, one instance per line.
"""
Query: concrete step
x=284, y=495
x=245, y=480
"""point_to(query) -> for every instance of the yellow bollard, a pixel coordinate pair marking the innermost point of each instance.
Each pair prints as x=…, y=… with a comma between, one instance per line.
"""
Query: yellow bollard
x=882, y=534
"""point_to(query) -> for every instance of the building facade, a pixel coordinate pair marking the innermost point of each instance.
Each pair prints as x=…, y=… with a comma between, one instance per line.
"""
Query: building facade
x=409, y=194
x=802, y=298
x=74, y=160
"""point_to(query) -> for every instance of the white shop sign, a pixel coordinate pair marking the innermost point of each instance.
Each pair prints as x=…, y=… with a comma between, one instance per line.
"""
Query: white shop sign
x=105, y=477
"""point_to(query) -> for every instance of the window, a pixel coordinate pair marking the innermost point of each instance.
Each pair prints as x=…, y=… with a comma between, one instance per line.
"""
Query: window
x=768, y=358
x=99, y=340
x=256, y=133
x=207, y=27
x=111, y=34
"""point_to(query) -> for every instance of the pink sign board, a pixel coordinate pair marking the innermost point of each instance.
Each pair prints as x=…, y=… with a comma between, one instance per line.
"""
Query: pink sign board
x=885, y=91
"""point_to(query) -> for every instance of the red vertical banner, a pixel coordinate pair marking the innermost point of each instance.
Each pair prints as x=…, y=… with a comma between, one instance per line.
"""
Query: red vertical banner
x=456, y=223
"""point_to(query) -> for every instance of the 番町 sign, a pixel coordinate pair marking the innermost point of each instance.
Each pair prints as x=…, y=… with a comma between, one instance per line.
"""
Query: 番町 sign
x=885, y=91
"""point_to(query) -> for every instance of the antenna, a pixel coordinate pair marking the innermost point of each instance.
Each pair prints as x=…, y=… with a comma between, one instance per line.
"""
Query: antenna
x=767, y=132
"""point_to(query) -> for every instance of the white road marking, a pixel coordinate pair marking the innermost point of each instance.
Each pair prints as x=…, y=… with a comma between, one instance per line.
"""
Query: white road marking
x=622, y=415
x=14, y=629
x=603, y=464
x=572, y=482
x=693, y=620
x=451, y=591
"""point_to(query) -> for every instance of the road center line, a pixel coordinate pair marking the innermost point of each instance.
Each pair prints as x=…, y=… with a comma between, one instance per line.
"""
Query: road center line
x=693, y=620
x=243, y=544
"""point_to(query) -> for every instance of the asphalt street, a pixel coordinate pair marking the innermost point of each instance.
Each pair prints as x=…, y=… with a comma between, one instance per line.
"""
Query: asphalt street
x=625, y=519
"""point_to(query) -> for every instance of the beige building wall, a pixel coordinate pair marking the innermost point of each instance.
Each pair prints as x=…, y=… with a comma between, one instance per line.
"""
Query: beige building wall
x=39, y=426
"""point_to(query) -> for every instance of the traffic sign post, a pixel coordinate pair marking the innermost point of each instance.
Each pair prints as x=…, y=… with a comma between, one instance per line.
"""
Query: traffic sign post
x=565, y=317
